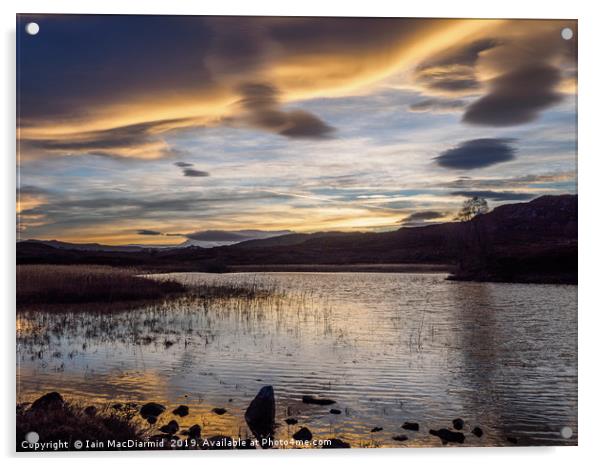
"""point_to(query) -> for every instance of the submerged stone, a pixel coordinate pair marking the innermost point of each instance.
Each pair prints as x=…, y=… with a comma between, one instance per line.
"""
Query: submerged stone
x=447, y=435
x=477, y=431
x=410, y=426
x=310, y=399
x=181, y=411
x=303, y=434
x=151, y=409
x=170, y=428
x=336, y=443
x=458, y=423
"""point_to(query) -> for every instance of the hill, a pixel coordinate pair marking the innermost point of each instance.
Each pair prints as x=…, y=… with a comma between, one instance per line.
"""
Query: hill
x=534, y=241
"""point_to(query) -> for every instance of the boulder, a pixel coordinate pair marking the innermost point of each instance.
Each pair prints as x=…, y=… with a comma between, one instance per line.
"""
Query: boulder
x=335, y=411
x=151, y=420
x=170, y=428
x=477, y=431
x=447, y=435
x=49, y=401
x=194, y=431
x=219, y=411
x=336, y=443
x=303, y=434
x=260, y=415
x=376, y=429
x=410, y=426
x=291, y=421
x=458, y=423
x=181, y=411
x=90, y=410
x=151, y=409
x=400, y=438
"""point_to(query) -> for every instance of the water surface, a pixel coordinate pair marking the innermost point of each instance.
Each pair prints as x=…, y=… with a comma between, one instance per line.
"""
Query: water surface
x=388, y=347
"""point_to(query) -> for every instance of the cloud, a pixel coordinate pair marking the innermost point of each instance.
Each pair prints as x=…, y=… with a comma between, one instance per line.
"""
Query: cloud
x=183, y=164
x=477, y=153
x=422, y=218
x=453, y=70
x=437, y=105
x=149, y=232
x=516, y=97
x=260, y=104
x=224, y=236
x=194, y=173
x=142, y=141
x=511, y=182
x=496, y=195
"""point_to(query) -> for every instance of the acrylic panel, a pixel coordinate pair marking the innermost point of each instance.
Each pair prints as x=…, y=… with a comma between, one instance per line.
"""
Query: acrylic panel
x=295, y=232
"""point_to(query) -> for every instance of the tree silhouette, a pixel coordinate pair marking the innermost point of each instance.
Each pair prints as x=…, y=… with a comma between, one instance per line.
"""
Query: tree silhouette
x=472, y=208
x=473, y=245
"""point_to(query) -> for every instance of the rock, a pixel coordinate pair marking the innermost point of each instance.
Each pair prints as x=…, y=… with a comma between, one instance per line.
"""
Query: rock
x=336, y=443
x=447, y=435
x=513, y=440
x=170, y=428
x=335, y=411
x=400, y=438
x=219, y=411
x=410, y=426
x=151, y=409
x=376, y=429
x=49, y=401
x=458, y=424
x=151, y=420
x=181, y=411
x=194, y=431
x=310, y=399
x=303, y=434
x=291, y=421
x=477, y=431
x=220, y=442
x=90, y=410
x=261, y=413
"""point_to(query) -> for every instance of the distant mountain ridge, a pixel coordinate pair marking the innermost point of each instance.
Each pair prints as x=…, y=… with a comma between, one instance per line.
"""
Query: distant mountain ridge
x=536, y=237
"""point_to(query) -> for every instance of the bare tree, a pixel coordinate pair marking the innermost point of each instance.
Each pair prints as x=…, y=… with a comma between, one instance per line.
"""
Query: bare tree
x=473, y=244
x=472, y=208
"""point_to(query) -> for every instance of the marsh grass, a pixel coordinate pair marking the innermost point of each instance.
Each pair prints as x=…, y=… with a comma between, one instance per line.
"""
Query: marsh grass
x=87, y=287
x=70, y=422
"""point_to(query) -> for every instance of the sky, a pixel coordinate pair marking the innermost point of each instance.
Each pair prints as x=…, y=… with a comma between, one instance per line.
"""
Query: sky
x=162, y=129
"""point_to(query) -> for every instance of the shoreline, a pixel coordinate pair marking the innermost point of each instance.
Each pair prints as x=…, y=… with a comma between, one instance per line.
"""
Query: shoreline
x=378, y=268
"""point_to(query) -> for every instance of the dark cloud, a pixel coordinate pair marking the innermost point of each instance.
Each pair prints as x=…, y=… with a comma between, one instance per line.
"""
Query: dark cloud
x=496, y=195
x=515, y=181
x=516, y=97
x=194, y=173
x=260, y=102
x=422, y=218
x=114, y=142
x=183, y=164
x=477, y=153
x=149, y=232
x=425, y=215
x=437, y=105
x=233, y=236
x=452, y=71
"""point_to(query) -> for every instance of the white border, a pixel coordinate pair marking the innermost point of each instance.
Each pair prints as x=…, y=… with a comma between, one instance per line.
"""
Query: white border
x=590, y=226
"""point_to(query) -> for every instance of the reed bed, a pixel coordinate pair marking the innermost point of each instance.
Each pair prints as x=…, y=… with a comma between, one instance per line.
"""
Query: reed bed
x=87, y=286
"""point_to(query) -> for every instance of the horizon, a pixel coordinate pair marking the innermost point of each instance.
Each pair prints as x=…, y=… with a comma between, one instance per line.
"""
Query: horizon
x=173, y=126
